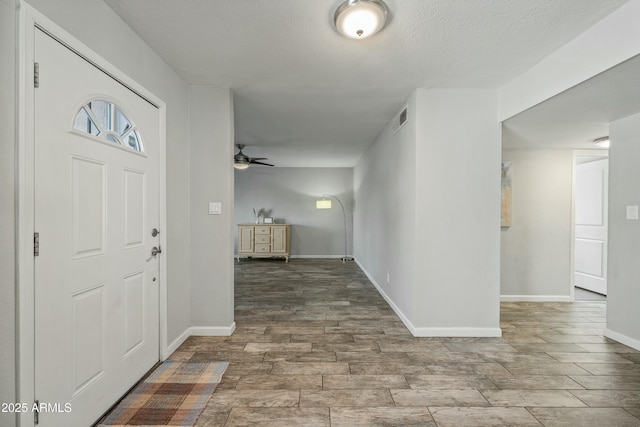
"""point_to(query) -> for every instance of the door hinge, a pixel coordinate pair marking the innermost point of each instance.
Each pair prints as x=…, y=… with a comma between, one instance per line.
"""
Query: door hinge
x=36, y=75
x=36, y=244
x=36, y=412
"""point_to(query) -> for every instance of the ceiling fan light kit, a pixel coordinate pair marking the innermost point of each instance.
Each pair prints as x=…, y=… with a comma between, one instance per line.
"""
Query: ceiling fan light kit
x=359, y=19
x=240, y=165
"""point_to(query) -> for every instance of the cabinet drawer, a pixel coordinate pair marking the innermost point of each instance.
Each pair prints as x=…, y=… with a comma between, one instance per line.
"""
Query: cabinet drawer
x=262, y=248
x=263, y=238
x=263, y=230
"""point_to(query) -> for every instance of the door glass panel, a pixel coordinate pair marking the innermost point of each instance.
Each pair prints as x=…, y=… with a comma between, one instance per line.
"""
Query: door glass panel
x=106, y=120
x=113, y=138
x=101, y=111
x=134, y=141
x=84, y=123
x=120, y=122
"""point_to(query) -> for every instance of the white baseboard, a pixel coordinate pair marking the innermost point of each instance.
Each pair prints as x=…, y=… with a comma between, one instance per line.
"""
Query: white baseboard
x=307, y=256
x=317, y=256
x=458, y=332
x=535, y=298
x=175, y=344
x=393, y=306
x=201, y=331
x=431, y=332
x=212, y=331
x=623, y=339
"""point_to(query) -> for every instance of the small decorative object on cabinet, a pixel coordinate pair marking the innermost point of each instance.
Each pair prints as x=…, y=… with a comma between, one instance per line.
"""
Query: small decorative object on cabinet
x=264, y=240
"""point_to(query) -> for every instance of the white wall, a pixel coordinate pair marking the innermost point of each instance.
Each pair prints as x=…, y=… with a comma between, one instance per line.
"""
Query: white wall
x=97, y=26
x=211, y=236
x=623, y=315
x=290, y=194
x=7, y=206
x=384, y=214
x=428, y=214
x=606, y=44
x=457, y=230
x=536, y=249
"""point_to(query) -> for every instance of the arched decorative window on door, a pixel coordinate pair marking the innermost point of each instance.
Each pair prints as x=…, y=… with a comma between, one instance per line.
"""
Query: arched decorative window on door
x=103, y=119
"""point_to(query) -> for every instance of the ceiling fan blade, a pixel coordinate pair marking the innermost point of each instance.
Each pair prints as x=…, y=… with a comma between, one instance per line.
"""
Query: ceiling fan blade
x=259, y=158
x=253, y=162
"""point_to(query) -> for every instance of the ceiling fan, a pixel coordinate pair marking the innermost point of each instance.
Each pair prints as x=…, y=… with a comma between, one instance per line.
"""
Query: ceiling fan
x=242, y=161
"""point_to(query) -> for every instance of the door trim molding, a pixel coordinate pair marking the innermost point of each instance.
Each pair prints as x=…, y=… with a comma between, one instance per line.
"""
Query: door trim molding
x=28, y=20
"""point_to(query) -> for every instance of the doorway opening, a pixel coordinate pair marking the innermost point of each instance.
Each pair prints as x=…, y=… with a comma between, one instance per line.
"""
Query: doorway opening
x=590, y=225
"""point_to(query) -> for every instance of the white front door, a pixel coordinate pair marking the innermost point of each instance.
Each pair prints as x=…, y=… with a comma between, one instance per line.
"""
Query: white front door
x=591, y=226
x=96, y=203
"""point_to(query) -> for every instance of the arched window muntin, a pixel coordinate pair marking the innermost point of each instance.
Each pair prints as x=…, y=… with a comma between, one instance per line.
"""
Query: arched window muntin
x=104, y=119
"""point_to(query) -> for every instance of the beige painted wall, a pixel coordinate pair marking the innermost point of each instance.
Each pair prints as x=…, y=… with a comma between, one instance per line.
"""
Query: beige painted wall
x=623, y=315
x=290, y=194
x=536, y=249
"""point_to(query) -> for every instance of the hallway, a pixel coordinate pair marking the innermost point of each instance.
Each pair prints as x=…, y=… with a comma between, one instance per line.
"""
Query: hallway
x=317, y=345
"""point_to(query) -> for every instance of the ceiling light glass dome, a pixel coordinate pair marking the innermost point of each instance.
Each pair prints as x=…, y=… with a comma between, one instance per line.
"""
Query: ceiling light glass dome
x=359, y=19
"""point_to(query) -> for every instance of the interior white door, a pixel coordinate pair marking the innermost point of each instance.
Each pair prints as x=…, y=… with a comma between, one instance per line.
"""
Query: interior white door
x=96, y=203
x=591, y=226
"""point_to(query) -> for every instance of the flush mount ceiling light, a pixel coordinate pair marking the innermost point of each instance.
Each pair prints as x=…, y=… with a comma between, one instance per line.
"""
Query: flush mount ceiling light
x=602, y=142
x=359, y=19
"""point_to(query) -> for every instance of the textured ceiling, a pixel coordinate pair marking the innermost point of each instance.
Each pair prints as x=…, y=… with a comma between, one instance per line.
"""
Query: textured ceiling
x=574, y=118
x=305, y=96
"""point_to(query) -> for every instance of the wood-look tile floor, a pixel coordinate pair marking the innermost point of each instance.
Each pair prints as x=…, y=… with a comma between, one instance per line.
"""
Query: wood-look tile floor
x=316, y=344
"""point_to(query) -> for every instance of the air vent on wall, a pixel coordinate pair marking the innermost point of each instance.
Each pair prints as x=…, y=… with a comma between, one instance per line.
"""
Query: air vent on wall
x=400, y=120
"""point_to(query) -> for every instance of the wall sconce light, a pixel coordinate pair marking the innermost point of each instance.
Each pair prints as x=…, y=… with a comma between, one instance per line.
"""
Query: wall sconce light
x=325, y=203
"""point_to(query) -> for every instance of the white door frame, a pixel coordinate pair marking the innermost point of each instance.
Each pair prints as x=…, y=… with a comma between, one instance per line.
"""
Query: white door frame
x=29, y=18
x=577, y=153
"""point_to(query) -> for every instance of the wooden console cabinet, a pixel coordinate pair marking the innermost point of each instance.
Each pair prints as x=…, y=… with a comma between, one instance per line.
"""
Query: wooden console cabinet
x=264, y=240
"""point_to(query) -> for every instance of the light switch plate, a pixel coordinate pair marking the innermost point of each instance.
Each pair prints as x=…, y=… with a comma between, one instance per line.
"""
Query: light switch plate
x=632, y=212
x=215, y=208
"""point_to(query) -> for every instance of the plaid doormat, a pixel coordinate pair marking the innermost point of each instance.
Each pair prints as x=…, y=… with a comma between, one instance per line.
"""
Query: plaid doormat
x=173, y=395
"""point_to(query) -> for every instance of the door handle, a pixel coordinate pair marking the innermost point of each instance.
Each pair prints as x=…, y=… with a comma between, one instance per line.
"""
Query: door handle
x=155, y=251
